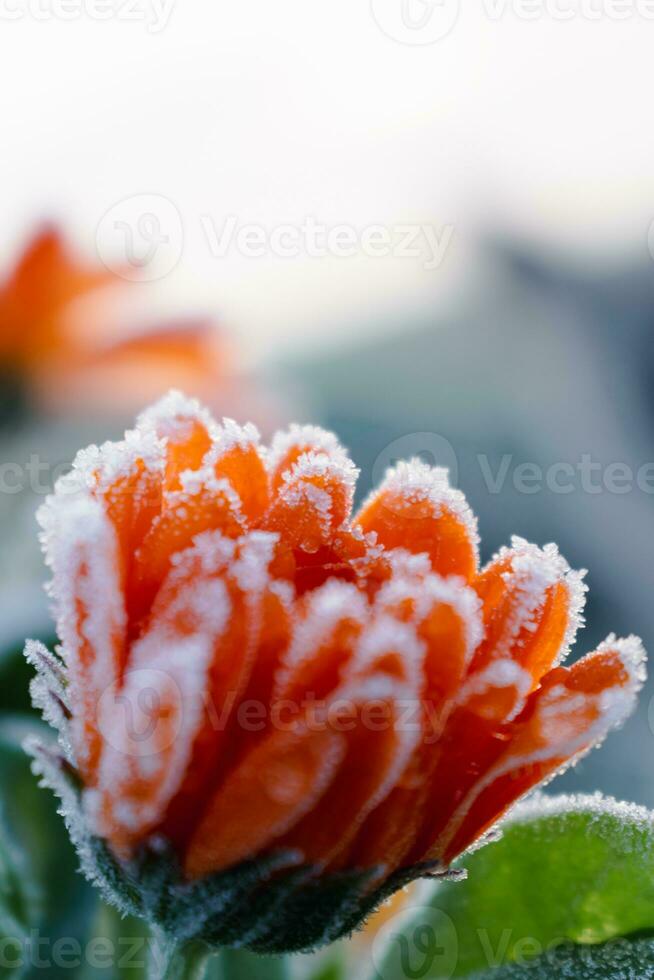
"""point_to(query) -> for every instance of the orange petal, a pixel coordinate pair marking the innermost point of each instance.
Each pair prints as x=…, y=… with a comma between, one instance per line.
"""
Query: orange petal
x=344, y=559
x=152, y=722
x=132, y=503
x=204, y=504
x=83, y=552
x=281, y=779
x=373, y=711
x=236, y=456
x=314, y=500
x=247, y=581
x=533, y=605
x=272, y=641
x=323, y=643
x=289, y=445
x=126, y=478
x=335, y=554
x=416, y=509
x=448, y=622
x=447, y=618
x=571, y=713
x=186, y=428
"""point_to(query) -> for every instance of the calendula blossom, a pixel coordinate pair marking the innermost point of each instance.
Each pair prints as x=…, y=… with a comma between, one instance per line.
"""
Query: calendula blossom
x=291, y=710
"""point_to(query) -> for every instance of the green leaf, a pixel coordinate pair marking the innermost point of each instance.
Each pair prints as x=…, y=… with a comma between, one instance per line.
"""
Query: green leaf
x=332, y=971
x=241, y=965
x=16, y=673
x=337, y=962
x=16, y=909
x=60, y=901
x=567, y=871
x=624, y=959
x=116, y=947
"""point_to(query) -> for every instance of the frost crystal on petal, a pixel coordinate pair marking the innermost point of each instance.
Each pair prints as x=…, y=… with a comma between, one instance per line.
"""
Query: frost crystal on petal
x=416, y=481
x=174, y=415
x=305, y=437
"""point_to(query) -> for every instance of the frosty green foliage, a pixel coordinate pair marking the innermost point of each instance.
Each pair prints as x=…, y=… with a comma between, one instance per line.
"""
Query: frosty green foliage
x=35, y=858
x=621, y=959
x=570, y=875
x=15, y=911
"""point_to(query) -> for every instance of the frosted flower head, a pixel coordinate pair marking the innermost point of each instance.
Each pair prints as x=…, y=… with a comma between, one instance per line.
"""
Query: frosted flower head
x=291, y=710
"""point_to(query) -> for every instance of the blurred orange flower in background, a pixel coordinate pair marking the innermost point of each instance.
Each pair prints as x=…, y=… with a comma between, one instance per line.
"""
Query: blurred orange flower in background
x=352, y=689
x=74, y=335
x=81, y=350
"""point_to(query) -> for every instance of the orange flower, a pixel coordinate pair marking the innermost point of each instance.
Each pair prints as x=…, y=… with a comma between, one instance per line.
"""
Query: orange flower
x=46, y=304
x=252, y=669
x=352, y=688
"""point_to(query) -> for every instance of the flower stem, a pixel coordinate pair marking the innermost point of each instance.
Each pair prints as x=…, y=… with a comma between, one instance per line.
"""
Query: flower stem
x=195, y=961
x=187, y=961
x=128, y=936
x=240, y=965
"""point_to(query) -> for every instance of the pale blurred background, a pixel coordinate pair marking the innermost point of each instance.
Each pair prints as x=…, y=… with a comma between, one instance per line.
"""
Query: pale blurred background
x=521, y=324
x=276, y=111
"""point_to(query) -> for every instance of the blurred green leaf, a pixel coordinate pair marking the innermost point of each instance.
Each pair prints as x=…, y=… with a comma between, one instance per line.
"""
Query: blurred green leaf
x=330, y=971
x=115, y=948
x=566, y=871
x=62, y=901
x=16, y=909
x=336, y=962
x=32, y=818
x=16, y=674
x=241, y=965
